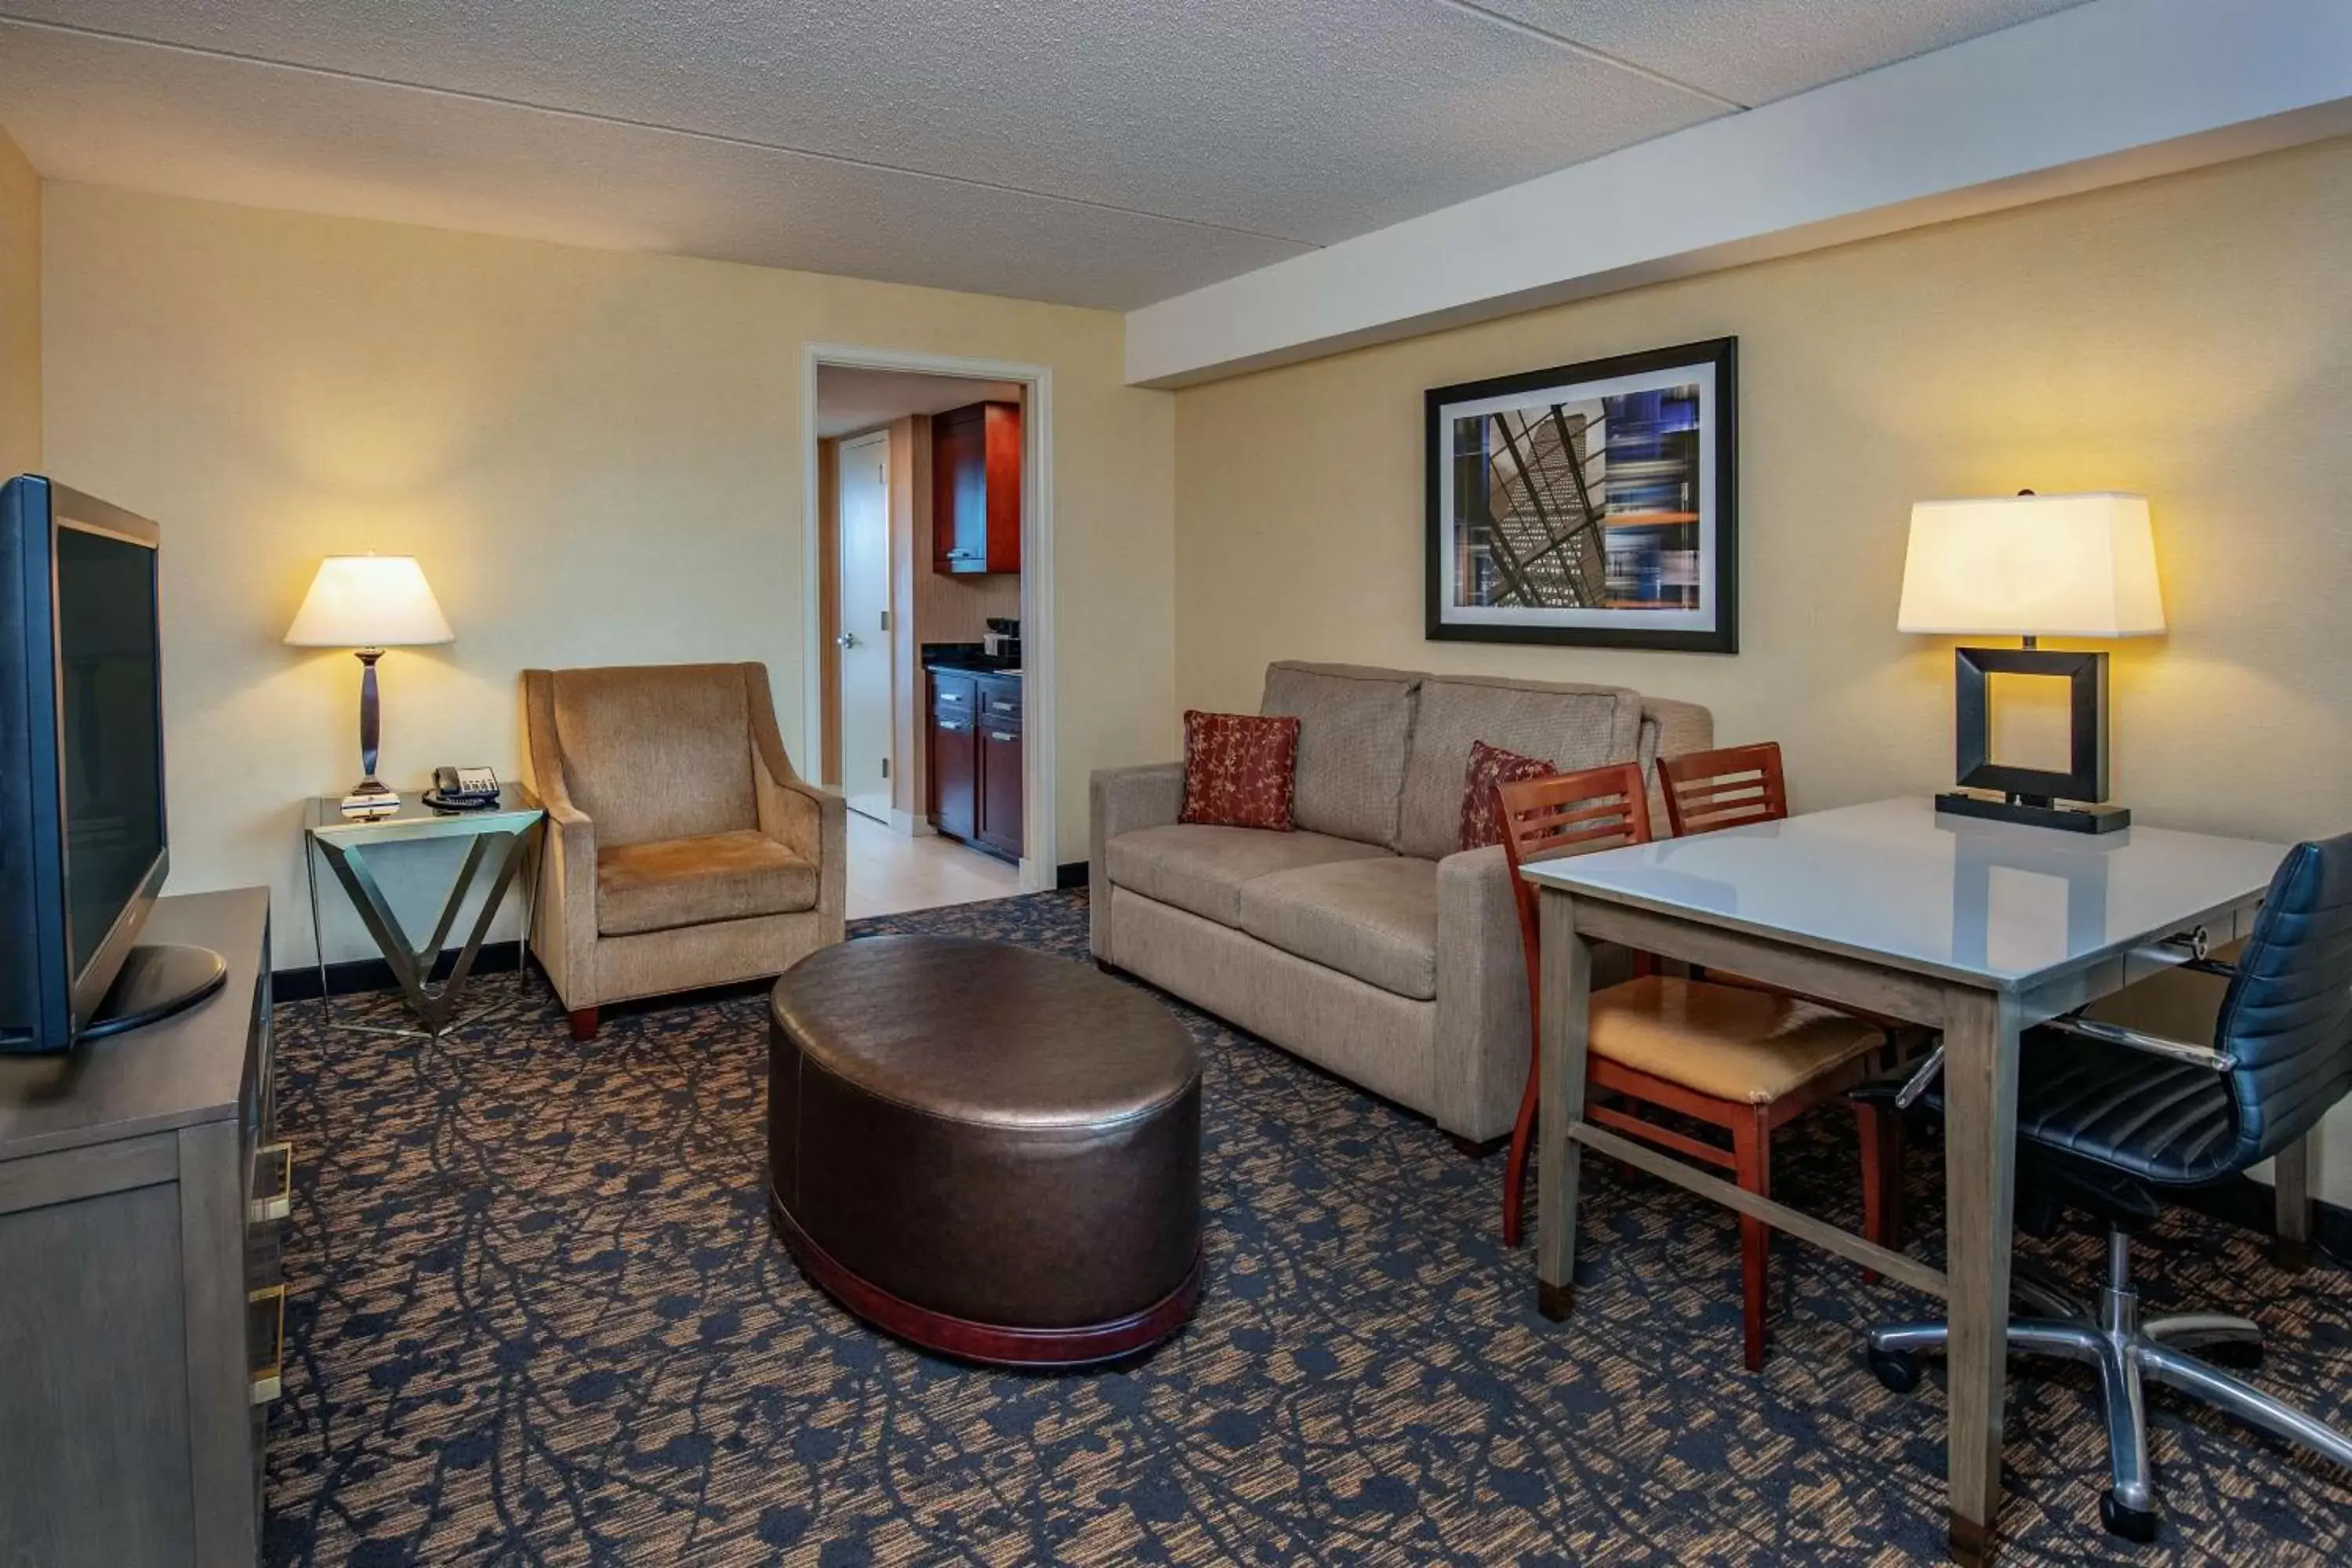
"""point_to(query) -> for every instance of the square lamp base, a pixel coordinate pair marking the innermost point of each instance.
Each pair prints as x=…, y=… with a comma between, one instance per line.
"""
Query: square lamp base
x=2065, y=819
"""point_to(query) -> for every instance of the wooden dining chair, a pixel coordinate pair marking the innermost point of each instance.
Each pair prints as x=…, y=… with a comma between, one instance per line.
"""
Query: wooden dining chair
x=1745, y=1060
x=1727, y=787
x=1723, y=788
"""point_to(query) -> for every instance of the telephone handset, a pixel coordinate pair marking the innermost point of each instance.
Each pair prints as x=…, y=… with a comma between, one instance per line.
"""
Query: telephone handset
x=463, y=789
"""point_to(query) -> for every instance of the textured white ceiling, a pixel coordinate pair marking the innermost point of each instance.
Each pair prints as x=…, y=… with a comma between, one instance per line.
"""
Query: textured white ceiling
x=1096, y=152
x=849, y=397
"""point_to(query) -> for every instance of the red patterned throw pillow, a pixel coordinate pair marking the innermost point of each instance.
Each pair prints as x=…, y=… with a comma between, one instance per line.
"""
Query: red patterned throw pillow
x=1239, y=769
x=1482, y=820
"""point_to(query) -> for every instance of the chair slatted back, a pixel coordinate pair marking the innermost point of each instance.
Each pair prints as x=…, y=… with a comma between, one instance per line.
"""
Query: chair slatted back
x=1708, y=789
x=1567, y=813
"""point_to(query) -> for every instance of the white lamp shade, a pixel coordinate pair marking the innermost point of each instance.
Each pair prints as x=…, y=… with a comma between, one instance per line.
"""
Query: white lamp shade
x=2068, y=565
x=368, y=601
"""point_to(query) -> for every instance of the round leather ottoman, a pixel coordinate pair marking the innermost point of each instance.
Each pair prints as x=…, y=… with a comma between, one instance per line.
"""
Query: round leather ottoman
x=984, y=1151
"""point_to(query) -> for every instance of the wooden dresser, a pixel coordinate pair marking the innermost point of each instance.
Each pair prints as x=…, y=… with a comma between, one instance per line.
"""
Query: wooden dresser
x=142, y=1312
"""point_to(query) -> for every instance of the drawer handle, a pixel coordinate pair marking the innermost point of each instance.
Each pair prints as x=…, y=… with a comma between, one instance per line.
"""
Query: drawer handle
x=1001, y=735
x=279, y=1204
x=947, y=729
x=270, y=1382
x=950, y=696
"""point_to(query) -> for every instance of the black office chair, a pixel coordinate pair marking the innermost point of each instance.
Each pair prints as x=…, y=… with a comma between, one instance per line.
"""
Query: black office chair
x=2109, y=1116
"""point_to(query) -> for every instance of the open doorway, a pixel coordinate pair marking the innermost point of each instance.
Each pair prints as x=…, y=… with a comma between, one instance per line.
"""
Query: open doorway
x=927, y=700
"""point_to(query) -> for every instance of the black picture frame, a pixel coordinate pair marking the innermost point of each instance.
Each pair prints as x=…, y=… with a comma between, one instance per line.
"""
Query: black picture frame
x=1718, y=507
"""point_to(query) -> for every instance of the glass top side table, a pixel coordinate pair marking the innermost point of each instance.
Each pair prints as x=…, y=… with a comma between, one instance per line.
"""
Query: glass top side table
x=500, y=838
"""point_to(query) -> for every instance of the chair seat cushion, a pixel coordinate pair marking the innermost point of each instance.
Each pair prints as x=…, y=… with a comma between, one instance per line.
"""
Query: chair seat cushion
x=1723, y=1041
x=2170, y=1122
x=1201, y=869
x=1373, y=919
x=673, y=882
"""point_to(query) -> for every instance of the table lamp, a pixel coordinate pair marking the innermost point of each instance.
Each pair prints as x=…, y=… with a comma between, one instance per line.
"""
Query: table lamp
x=2032, y=566
x=369, y=603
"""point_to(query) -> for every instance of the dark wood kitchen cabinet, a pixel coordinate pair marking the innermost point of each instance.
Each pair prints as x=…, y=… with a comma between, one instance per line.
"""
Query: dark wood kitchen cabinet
x=975, y=786
x=976, y=489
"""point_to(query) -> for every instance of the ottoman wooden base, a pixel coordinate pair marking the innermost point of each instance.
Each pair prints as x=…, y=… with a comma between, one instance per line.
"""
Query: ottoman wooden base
x=998, y=1345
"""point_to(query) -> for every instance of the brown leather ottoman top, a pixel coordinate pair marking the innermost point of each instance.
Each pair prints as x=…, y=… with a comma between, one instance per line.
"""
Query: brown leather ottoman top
x=986, y=1150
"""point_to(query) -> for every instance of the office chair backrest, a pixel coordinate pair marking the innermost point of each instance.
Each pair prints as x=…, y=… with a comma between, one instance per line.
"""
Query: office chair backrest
x=2286, y=1018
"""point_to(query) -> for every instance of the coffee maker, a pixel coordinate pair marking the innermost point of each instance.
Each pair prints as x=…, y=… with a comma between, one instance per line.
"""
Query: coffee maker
x=1003, y=640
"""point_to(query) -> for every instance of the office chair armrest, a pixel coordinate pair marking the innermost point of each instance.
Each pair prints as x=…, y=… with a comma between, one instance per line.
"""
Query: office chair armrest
x=2141, y=1040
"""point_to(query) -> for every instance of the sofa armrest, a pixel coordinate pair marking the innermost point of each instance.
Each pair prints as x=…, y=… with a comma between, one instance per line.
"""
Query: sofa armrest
x=1481, y=996
x=1485, y=1029
x=1122, y=800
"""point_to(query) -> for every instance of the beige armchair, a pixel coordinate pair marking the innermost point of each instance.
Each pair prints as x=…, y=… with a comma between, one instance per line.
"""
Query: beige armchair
x=682, y=850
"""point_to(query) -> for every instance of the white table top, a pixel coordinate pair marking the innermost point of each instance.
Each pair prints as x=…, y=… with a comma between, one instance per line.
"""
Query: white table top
x=1993, y=904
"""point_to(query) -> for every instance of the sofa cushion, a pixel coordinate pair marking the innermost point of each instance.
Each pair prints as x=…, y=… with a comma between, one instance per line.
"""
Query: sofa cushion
x=1374, y=919
x=1724, y=1041
x=1573, y=727
x=674, y=882
x=1202, y=869
x=1353, y=725
x=1239, y=770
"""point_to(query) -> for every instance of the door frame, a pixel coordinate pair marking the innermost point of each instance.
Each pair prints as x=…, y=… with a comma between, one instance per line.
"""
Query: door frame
x=1040, y=865
x=839, y=694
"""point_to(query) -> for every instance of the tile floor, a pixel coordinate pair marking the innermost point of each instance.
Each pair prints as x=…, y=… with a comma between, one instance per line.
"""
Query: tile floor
x=890, y=873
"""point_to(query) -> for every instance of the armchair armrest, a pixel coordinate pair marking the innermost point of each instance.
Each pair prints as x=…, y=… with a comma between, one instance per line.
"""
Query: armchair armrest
x=564, y=920
x=1122, y=800
x=810, y=821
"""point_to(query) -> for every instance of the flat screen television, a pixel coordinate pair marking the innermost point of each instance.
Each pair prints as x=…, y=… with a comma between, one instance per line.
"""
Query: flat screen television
x=83, y=840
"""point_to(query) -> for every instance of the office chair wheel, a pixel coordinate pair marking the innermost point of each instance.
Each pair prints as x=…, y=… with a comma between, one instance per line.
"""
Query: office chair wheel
x=1898, y=1369
x=2131, y=1523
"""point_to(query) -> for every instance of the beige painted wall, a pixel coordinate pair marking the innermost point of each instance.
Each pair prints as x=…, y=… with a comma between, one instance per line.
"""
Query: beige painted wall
x=596, y=457
x=2190, y=338
x=20, y=311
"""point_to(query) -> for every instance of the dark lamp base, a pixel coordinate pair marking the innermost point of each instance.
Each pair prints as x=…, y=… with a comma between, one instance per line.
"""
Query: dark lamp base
x=2065, y=819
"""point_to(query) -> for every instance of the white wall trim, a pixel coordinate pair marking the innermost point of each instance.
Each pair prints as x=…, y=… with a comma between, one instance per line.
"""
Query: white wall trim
x=1039, y=751
x=2098, y=95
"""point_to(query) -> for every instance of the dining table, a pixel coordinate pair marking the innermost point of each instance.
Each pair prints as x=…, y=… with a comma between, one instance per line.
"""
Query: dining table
x=1975, y=929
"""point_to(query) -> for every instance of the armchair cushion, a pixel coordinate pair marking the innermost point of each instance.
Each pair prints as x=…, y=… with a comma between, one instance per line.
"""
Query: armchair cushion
x=657, y=752
x=695, y=881
x=1373, y=919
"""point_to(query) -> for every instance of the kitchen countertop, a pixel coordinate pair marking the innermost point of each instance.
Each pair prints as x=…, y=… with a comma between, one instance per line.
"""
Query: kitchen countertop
x=961, y=664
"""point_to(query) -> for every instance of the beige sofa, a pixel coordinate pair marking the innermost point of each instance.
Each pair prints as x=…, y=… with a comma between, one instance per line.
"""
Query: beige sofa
x=682, y=850
x=1363, y=941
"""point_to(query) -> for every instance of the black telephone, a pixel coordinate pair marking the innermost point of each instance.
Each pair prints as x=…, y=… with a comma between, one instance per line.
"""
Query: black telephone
x=463, y=789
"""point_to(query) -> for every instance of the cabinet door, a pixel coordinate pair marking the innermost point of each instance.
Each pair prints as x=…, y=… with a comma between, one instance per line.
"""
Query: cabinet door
x=959, y=490
x=1000, y=785
x=954, y=774
x=1001, y=525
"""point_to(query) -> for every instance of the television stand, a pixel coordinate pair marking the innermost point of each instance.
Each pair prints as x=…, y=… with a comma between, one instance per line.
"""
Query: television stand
x=156, y=979
x=141, y=1306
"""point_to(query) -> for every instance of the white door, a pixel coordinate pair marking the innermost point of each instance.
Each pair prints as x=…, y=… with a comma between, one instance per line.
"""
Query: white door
x=864, y=637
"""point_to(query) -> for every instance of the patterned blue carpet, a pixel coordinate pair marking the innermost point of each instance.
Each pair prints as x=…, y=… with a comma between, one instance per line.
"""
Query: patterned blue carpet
x=538, y=1317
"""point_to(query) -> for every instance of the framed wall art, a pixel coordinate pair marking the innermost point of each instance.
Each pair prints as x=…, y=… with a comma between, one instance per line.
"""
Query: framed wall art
x=1591, y=504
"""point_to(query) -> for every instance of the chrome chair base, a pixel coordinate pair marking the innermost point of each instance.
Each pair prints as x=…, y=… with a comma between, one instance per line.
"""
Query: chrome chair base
x=2129, y=1355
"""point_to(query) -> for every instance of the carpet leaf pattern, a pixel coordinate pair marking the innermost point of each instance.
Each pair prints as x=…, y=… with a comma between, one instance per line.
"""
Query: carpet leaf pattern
x=538, y=1318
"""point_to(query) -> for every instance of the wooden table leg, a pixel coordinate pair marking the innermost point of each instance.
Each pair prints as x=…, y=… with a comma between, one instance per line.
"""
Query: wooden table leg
x=1979, y=1183
x=1567, y=1013
x=2291, y=1173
